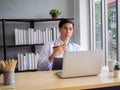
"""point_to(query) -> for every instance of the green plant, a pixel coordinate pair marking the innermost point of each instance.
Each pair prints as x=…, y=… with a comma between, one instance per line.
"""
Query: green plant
x=55, y=12
x=117, y=66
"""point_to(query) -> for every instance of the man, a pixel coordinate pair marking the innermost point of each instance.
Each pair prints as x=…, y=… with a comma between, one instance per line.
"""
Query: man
x=57, y=48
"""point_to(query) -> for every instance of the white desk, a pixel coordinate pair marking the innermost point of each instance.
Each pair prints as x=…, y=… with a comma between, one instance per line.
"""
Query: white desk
x=48, y=80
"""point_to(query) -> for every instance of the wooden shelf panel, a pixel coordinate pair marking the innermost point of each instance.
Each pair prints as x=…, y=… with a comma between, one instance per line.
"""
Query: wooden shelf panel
x=34, y=20
x=10, y=46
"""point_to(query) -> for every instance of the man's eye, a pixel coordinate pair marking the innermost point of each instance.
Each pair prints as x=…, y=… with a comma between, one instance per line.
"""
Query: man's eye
x=71, y=29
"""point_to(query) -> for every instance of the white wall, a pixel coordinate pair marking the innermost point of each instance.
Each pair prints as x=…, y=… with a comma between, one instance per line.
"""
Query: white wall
x=35, y=8
x=82, y=23
x=79, y=9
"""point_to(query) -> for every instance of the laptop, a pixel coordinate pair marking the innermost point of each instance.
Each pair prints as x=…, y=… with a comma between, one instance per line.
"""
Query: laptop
x=81, y=63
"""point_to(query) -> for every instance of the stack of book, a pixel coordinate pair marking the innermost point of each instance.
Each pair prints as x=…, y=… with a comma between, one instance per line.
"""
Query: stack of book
x=27, y=61
x=32, y=36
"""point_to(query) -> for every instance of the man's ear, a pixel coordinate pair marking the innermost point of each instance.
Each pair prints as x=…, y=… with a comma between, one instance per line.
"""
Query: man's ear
x=59, y=29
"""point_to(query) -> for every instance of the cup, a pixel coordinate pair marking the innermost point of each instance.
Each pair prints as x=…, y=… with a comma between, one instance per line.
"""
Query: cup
x=9, y=78
x=116, y=73
x=111, y=65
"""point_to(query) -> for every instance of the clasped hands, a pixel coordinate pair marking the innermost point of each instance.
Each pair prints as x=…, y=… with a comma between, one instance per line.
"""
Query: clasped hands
x=57, y=51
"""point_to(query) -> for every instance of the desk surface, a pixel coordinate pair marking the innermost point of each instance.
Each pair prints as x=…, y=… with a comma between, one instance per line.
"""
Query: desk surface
x=48, y=80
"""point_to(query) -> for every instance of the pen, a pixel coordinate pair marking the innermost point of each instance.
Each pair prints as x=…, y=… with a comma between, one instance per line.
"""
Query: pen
x=55, y=47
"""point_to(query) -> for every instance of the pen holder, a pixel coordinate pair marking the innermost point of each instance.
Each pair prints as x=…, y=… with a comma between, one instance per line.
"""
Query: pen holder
x=9, y=78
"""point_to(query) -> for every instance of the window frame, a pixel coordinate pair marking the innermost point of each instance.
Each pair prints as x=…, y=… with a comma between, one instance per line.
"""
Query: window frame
x=103, y=28
x=104, y=20
x=78, y=7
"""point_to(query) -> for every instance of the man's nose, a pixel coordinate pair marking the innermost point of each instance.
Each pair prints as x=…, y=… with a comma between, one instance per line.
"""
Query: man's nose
x=68, y=30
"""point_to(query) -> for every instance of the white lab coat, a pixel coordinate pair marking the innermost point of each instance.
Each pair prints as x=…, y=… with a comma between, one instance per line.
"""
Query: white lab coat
x=47, y=50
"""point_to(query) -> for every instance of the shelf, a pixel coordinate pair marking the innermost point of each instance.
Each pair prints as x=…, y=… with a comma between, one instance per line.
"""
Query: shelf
x=34, y=20
x=16, y=70
x=31, y=47
x=1, y=46
x=10, y=46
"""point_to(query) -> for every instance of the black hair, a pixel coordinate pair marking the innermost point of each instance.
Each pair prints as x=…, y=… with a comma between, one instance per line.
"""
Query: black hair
x=64, y=21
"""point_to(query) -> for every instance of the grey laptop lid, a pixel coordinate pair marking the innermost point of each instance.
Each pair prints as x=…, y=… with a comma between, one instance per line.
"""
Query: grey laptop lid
x=82, y=63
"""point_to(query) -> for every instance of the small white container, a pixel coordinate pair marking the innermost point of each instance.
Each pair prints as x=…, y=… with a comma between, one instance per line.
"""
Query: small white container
x=111, y=65
x=116, y=73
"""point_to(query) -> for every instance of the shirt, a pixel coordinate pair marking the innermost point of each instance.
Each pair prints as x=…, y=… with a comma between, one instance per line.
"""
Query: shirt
x=47, y=50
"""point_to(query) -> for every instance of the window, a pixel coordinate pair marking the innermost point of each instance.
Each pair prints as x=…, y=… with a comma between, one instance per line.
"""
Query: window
x=98, y=27
x=112, y=31
x=102, y=30
x=104, y=27
x=96, y=24
x=113, y=17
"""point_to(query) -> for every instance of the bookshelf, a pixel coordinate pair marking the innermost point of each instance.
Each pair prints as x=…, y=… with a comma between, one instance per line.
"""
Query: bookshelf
x=9, y=45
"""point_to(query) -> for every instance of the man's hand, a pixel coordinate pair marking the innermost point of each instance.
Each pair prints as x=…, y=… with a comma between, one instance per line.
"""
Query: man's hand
x=57, y=50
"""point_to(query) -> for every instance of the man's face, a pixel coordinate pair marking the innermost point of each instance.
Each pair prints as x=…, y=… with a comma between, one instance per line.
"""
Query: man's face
x=66, y=31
